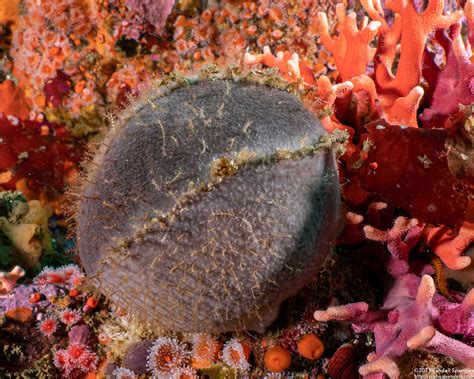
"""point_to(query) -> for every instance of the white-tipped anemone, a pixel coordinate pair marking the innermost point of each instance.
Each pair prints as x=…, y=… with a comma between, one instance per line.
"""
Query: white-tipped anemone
x=166, y=356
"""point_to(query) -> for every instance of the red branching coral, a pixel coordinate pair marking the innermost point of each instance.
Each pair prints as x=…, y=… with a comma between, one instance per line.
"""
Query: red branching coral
x=403, y=111
x=321, y=93
x=351, y=48
x=389, y=36
x=398, y=94
x=288, y=64
x=415, y=28
x=410, y=168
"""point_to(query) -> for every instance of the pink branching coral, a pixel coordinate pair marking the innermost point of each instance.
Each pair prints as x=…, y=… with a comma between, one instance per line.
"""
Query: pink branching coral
x=413, y=314
x=400, y=239
x=352, y=232
x=469, y=13
x=431, y=340
x=457, y=318
x=410, y=306
x=8, y=279
x=449, y=245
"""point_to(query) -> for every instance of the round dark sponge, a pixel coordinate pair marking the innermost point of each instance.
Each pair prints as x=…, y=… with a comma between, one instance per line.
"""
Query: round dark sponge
x=135, y=357
x=208, y=206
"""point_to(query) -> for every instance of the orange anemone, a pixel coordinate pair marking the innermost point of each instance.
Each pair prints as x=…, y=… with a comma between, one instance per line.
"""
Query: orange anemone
x=277, y=359
x=310, y=346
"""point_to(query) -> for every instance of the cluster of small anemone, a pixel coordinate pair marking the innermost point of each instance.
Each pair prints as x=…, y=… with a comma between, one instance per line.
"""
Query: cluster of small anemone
x=68, y=275
x=76, y=357
x=170, y=358
x=49, y=324
x=85, y=36
x=60, y=307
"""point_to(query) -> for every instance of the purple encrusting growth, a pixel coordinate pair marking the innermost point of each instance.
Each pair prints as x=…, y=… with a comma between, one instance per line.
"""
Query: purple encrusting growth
x=135, y=358
x=149, y=12
x=49, y=283
x=209, y=205
x=80, y=334
x=57, y=88
x=19, y=297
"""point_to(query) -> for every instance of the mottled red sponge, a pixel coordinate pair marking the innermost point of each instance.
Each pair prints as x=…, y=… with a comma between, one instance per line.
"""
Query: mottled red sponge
x=209, y=205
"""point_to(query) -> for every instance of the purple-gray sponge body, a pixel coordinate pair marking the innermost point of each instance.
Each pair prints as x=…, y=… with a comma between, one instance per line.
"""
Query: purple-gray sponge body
x=209, y=206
